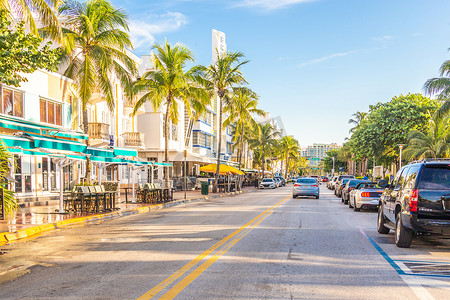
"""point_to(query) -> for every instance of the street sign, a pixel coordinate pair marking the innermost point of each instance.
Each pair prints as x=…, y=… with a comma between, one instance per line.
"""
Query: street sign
x=341, y=169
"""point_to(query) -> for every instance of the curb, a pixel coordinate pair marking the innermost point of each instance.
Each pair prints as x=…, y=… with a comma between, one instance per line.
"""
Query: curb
x=8, y=237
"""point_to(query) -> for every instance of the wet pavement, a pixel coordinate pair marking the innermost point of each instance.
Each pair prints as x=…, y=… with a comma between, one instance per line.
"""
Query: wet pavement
x=38, y=215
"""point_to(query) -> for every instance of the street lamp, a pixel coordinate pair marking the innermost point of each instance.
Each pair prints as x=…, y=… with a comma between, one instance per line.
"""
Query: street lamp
x=401, y=147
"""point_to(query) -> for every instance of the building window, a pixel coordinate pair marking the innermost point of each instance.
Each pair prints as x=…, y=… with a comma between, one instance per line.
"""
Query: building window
x=51, y=112
x=12, y=102
x=195, y=138
x=174, y=133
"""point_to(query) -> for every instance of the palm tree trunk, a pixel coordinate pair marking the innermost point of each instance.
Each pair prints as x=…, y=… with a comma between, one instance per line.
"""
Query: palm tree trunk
x=166, y=143
x=87, y=174
x=263, y=161
x=219, y=145
x=287, y=167
x=241, y=147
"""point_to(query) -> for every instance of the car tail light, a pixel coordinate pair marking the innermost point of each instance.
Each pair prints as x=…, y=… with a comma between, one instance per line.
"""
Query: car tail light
x=315, y=185
x=350, y=188
x=413, y=200
x=342, y=187
x=297, y=184
x=365, y=194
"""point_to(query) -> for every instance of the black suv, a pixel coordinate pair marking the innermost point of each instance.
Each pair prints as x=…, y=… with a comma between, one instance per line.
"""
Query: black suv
x=417, y=202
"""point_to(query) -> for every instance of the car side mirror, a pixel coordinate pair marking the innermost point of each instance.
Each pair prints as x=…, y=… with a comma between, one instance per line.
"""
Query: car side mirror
x=383, y=183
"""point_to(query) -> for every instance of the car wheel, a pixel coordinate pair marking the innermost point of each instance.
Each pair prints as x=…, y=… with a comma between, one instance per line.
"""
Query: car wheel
x=355, y=208
x=403, y=236
x=380, y=222
x=317, y=197
x=350, y=204
x=294, y=196
x=345, y=200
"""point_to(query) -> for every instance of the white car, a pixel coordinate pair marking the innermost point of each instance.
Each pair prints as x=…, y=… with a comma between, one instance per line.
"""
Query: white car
x=366, y=195
x=267, y=183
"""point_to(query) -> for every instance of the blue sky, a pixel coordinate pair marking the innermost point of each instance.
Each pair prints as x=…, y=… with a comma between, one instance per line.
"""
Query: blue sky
x=313, y=62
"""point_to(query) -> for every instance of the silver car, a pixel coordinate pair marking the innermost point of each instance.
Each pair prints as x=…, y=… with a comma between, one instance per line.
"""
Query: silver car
x=365, y=195
x=306, y=187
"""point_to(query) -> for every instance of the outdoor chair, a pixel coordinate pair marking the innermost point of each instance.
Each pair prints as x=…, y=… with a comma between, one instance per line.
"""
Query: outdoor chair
x=87, y=199
x=103, y=197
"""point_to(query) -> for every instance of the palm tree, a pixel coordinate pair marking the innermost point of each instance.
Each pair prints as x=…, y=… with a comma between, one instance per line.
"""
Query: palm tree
x=289, y=148
x=96, y=42
x=169, y=82
x=221, y=77
x=44, y=10
x=240, y=109
x=265, y=140
x=441, y=87
x=358, y=118
x=432, y=143
x=10, y=201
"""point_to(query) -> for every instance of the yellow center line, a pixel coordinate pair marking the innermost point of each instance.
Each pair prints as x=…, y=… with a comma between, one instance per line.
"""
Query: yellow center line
x=173, y=292
x=199, y=258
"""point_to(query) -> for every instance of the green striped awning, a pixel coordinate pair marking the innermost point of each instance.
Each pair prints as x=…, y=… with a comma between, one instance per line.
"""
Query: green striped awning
x=124, y=152
x=15, y=123
x=100, y=152
x=56, y=144
x=16, y=142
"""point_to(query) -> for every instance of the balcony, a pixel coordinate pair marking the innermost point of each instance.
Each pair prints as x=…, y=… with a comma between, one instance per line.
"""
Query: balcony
x=99, y=134
x=128, y=107
x=133, y=140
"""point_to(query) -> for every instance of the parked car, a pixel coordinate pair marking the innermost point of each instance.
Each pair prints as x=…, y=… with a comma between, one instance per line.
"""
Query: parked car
x=365, y=195
x=351, y=184
x=277, y=182
x=267, y=183
x=417, y=202
x=324, y=178
x=340, y=186
x=339, y=179
x=306, y=187
x=282, y=181
x=332, y=182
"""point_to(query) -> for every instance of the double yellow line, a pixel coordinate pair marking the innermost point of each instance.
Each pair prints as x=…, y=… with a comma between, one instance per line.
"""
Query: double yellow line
x=222, y=247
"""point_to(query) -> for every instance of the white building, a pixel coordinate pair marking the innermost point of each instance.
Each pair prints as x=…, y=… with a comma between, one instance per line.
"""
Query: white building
x=317, y=152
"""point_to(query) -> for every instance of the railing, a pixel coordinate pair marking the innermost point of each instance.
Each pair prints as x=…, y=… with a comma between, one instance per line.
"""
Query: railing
x=99, y=131
x=133, y=139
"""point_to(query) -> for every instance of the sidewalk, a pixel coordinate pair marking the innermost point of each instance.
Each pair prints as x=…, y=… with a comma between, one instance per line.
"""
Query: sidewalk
x=34, y=220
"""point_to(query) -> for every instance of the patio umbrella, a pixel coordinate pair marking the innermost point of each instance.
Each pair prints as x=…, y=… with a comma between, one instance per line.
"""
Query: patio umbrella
x=211, y=168
x=223, y=169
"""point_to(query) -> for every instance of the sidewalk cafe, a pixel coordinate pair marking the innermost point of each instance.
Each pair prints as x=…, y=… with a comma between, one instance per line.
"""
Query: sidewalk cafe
x=230, y=178
x=52, y=164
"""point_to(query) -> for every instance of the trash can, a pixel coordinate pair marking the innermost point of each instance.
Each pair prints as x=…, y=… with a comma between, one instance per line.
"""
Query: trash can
x=205, y=187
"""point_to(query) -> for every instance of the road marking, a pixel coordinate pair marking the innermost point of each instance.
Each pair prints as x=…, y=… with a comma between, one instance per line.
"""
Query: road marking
x=414, y=281
x=173, y=292
x=255, y=221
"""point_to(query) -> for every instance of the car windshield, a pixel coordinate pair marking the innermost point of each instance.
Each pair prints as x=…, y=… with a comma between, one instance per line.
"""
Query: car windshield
x=353, y=183
x=267, y=180
x=370, y=185
x=435, y=177
x=306, y=180
x=345, y=180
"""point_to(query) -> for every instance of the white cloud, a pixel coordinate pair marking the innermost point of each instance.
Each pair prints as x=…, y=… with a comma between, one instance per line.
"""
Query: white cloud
x=143, y=31
x=383, y=38
x=269, y=4
x=325, y=58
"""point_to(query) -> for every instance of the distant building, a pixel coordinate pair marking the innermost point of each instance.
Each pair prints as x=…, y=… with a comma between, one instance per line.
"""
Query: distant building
x=317, y=152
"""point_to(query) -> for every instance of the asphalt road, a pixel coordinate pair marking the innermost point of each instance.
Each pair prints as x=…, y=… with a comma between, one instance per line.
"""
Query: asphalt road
x=261, y=245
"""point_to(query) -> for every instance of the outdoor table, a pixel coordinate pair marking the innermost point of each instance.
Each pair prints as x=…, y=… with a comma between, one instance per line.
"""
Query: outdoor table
x=126, y=193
